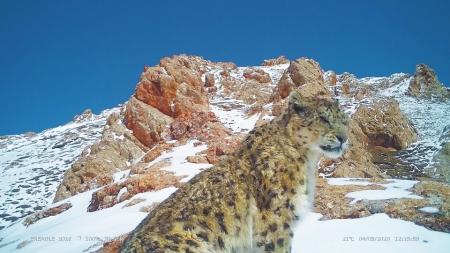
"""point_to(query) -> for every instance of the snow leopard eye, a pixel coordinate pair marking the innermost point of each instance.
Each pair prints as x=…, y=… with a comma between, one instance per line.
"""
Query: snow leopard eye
x=324, y=120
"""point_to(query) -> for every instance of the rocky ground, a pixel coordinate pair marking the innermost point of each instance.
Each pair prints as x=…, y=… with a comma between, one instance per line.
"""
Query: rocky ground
x=188, y=113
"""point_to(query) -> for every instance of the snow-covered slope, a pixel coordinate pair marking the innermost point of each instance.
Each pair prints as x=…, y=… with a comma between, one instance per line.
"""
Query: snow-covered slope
x=352, y=235
x=31, y=166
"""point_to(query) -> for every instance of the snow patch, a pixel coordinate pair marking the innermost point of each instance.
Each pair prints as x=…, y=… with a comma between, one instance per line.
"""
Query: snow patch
x=372, y=234
x=429, y=209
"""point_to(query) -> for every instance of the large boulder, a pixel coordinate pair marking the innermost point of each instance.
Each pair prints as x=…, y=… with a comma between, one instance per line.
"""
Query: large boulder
x=385, y=125
x=117, y=148
x=165, y=92
x=174, y=87
x=148, y=124
x=302, y=74
x=425, y=84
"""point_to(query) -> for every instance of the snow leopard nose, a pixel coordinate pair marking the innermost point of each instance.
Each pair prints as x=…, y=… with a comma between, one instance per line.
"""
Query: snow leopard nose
x=341, y=138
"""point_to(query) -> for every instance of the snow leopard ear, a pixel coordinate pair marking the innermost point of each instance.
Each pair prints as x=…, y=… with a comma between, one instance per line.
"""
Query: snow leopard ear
x=299, y=104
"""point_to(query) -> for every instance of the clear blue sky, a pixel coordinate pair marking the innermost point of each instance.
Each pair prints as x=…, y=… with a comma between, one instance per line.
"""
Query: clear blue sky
x=59, y=57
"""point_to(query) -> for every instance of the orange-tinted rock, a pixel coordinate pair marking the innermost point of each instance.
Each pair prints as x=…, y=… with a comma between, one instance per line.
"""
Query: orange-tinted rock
x=248, y=90
x=46, y=213
x=147, y=123
x=385, y=125
x=112, y=246
x=226, y=65
x=330, y=78
x=220, y=148
x=331, y=200
x=143, y=168
x=276, y=61
x=86, y=115
x=304, y=75
x=116, y=149
x=152, y=181
x=155, y=152
x=185, y=127
x=174, y=87
x=209, y=80
x=197, y=159
x=258, y=75
x=225, y=73
x=426, y=84
x=346, y=89
x=361, y=94
x=211, y=89
x=380, y=124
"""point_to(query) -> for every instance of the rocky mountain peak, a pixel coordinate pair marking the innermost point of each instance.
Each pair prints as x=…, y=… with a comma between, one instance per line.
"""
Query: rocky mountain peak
x=85, y=116
x=425, y=84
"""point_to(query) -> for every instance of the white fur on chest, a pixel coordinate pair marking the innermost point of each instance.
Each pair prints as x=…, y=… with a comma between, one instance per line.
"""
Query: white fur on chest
x=305, y=202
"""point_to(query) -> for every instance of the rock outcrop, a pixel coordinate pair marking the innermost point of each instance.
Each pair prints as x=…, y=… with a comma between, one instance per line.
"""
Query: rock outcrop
x=330, y=78
x=149, y=125
x=247, y=90
x=302, y=74
x=174, y=87
x=306, y=76
x=425, y=84
x=331, y=201
x=46, y=213
x=276, y=61
x=209, y=80
x=385, y=125
x=115, y=193
x=442, y=161
x=375, y=131
x=117, y=148
x=258, y=75
x=170, y=103
x=86, y=115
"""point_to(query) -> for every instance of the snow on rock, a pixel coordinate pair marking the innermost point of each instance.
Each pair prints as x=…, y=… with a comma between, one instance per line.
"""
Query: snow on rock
x=178, y=163
x=394, y=188
x=232, y=113
x=429, y=117
x=375, y=233
x=120, y=175
x=429, y=209
x=77, y=230
x=31, y=167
